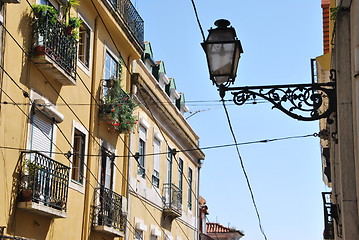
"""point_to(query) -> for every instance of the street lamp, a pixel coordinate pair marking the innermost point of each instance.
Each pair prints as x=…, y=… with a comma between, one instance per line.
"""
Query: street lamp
x=223, y=50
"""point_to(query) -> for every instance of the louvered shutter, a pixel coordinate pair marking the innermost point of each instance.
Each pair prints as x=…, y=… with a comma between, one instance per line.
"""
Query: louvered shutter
x=42, y=129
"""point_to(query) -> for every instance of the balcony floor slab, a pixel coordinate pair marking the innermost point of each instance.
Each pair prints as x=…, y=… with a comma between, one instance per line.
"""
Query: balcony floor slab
x=41, y=209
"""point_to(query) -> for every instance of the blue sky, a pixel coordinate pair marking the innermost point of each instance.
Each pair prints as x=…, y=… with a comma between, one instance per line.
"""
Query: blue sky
x=278, y=37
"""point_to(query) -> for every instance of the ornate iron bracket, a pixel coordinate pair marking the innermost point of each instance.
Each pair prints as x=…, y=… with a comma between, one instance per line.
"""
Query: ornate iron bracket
x=305, y=102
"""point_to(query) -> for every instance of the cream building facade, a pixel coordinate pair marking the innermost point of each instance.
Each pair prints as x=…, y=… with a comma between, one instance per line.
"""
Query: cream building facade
x=339, y=140
x=164, y=175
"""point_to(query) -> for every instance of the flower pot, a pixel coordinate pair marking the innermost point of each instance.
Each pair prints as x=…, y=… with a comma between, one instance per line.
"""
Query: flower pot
x=40, y=50
x=26, y=195
x=69, y=30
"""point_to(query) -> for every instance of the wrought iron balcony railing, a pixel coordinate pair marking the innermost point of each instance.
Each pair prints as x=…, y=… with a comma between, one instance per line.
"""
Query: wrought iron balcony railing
x=328, y=216
x=109, y=210
x=52, y=38
x=43, y=180
x=131, y=18
x=173, y=200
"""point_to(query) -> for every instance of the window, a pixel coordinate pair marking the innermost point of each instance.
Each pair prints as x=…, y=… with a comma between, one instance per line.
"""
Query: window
x=180, y=174
x=41, y=133
x=142, y=151
x=190, y=188
x=111, y=66
x=111, y=70
x=156, y=162
x=78, y=160
x=169, y=166
x=84, y=44
x=107, y=166
x=139, y=235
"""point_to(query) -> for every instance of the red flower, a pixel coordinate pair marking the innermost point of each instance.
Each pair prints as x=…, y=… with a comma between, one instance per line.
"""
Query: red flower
x=126, y=99
x=112, y=110
x=119, y=105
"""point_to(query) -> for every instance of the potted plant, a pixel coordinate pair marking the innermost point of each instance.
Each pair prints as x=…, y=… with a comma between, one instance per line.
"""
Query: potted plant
x=117, y=108
x=43, y=14
x=27, y=181
x=74, y=23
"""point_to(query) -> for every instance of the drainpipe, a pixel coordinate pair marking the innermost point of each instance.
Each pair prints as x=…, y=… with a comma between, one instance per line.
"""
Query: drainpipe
x=88, y=193
x=126, y=162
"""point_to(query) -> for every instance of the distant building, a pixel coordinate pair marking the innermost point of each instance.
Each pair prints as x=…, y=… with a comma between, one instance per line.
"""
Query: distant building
x=218, y=232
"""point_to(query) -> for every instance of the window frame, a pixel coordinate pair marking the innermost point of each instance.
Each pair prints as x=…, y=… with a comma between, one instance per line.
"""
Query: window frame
x=78, y=157
x=80, y=187
x=87, y=43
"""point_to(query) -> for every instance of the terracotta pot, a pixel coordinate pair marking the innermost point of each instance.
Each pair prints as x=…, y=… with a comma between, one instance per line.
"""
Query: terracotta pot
x=40, y=50
x=26, y=195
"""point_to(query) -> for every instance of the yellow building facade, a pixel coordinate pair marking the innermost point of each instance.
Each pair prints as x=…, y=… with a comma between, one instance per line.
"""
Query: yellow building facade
x=65, y=71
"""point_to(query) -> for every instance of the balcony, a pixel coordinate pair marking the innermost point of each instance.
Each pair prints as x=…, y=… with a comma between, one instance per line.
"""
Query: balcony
x=43, y=186
x=109, y=215
x=173, y=201
x=55, y=48
x=130, y=17
x=117, y=106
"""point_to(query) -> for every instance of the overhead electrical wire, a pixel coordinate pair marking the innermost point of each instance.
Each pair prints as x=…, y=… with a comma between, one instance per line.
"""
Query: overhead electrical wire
x=244, y=171
x=193, y=149
x=236, y=144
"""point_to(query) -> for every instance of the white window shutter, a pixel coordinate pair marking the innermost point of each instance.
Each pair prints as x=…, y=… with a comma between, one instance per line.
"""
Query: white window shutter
x=42, y=130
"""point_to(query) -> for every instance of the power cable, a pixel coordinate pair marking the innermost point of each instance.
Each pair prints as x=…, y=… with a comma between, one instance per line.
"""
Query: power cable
x=198, y=21
x=235, y=140
x=189, y=150
x=244, y=171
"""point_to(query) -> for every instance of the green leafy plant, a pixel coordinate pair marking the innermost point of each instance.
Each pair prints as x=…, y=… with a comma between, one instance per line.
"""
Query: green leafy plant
x=42, y=14
x=334, y=12
x=67, y=7
x=117, y=108
x=75, y=22
x=26, y=183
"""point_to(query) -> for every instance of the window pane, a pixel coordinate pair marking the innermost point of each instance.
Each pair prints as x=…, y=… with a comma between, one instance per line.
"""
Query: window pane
x=111, y=66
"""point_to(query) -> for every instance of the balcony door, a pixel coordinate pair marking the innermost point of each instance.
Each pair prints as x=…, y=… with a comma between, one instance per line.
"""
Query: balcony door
x=106, y=193
x=41, y=141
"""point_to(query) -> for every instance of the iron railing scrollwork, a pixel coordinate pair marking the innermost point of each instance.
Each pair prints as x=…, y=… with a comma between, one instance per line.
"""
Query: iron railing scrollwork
x=108, y=209
x=43, y=180
x=131, y=17
x=53, y=40
x=173, y=198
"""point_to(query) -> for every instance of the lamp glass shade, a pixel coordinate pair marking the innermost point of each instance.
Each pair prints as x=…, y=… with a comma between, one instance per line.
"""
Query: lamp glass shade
x=223, y=52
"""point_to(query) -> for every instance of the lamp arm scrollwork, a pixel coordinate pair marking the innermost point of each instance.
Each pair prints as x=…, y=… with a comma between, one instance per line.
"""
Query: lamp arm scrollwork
x=305, y=102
